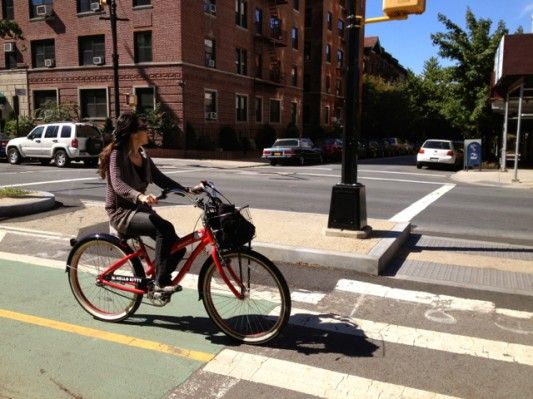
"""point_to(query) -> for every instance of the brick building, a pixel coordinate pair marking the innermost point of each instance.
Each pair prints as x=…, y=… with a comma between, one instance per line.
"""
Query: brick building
x=211, y=63
x=378, y=62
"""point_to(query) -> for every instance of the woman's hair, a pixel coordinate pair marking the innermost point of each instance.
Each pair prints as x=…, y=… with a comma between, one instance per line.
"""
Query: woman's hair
x=127, y=123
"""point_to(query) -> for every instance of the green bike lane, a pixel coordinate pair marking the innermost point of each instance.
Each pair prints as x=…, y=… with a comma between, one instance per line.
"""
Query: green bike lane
x=51, y=348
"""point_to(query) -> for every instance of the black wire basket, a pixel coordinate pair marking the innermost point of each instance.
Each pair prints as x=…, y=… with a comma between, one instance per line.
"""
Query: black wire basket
x=232, y=227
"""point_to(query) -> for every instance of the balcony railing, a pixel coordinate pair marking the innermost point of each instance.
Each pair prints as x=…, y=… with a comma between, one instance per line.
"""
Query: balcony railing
x=275, y=36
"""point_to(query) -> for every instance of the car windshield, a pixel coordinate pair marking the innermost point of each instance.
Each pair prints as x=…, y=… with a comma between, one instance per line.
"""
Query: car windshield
x=285, y=143
x=437, y=145
x=87, y=131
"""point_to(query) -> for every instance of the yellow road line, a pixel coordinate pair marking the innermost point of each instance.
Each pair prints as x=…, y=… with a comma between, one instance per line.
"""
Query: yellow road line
x=108, y=336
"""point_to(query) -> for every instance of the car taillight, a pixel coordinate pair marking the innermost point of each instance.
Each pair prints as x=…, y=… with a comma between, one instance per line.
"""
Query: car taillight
x=421, y=151
x=450, y=153
x=74, y=143
x=266, y=152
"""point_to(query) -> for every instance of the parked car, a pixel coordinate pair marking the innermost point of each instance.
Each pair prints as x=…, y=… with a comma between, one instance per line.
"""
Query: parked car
x=3, y=142
x=396, y=146
x=62, y=142
x=439, y=152
x=299, y=150
x=374, y=149
x=332, y=149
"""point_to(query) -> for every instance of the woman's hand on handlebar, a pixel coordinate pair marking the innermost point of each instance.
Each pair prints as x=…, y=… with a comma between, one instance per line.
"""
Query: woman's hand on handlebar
x=149, y=199
x=198, y=189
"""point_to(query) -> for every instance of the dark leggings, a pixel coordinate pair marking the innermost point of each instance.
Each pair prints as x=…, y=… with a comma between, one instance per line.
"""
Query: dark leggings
x=162, y=231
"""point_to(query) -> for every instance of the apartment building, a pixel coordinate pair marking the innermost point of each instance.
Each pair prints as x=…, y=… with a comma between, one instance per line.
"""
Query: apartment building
x=211, y=63
x=325, y=58
x=378, y=62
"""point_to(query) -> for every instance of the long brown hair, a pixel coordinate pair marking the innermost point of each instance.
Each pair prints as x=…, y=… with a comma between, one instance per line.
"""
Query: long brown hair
x=127, y=123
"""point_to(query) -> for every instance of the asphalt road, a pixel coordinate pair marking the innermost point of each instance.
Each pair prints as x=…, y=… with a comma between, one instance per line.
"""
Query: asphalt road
x=392, y=186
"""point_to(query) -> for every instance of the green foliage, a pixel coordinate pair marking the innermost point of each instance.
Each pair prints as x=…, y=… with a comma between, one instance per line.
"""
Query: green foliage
x=51, y=111
x=467, y=105
x=227, y=139
x=317, y=134
x=265, y=136
x=291, y=131
x=165, y=129
x=26, y=124
x=9, y=29
x=191, y=139
x=12, y=192
x=205, y=142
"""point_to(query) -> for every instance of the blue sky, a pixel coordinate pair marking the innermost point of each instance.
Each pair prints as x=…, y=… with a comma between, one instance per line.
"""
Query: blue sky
x=409, y=41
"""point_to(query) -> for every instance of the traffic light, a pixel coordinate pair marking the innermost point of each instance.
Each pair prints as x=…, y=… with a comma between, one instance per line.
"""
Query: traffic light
x=394, y=8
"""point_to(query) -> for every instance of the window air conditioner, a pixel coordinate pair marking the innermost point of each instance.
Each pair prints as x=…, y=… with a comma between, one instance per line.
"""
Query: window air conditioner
x=49, y=62
x=98, y=60
x=211, y=115
x=9, y=47
x=211, y=63
x=213, y=8
x=95, y=6
x=44, y=10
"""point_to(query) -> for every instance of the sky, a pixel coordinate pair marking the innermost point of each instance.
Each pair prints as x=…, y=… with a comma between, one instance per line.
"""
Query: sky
x=409, y=41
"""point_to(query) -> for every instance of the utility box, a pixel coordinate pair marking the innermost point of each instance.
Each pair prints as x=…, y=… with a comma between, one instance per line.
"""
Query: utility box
x=394, y=8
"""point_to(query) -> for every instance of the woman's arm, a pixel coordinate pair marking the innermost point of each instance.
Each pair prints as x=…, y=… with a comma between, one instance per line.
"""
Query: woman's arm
x=162, y=180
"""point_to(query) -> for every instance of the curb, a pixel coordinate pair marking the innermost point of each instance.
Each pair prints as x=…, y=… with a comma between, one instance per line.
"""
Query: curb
x=373, y=263
x=36, y=205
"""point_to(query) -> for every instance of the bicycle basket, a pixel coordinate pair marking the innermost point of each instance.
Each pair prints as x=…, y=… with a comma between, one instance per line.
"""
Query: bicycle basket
x=232, y=227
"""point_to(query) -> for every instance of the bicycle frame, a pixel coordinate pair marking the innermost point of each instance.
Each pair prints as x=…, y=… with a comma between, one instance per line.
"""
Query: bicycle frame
x=204, y=237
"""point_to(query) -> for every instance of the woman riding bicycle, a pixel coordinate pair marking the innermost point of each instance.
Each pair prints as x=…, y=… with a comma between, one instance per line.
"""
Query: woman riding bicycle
x=128, y=171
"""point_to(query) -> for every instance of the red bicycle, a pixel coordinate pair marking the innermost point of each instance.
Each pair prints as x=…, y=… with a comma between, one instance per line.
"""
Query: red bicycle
x=243, y=292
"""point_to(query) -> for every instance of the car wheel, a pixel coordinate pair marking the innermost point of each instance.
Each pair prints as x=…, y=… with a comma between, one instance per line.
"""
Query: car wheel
x=61, y=158
x=321, y=159
x=418, y=165
x=13, y=156
x=273, y=162
x=91, y=162
x=301, y=160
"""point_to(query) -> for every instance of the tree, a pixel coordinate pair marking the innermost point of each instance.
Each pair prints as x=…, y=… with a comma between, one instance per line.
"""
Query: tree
x=473, y=51
x=51, y=111
x=9, y=29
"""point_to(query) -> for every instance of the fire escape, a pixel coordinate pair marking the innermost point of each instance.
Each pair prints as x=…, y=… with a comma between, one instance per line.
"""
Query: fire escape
x=267, y=40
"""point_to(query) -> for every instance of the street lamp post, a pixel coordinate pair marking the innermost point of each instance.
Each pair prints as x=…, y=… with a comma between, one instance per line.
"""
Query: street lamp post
x=348, y=198
x=113, y=18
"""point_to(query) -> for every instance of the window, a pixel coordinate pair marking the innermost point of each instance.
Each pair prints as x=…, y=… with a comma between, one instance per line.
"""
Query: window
x=328, y=84
x=36, y=3
x=41, y=97
x=91, y=47
x=42, y=50
x=326, y=115
x=296, y=4
x=259, y=109
x=307, y=82
x=241, y=13
x=308, y=21
x=8, y=9
x=307, y=50
x=137, y=3
x=328, y=53
x=36, y=133
x=143, y=46
x=275, y=27
x=210, y=54
x=258, y=21
x=329, y=20
x=338, y=87
x=210, y=7
x=145, y=99
x=84, y=5
x=210, y=105
x=294, y=75
x=93, y=103
x=340, y=27
x=294, y=37
x=241, y=108
x=51, y=132
x=275, y=111
x=66, y=131
x=294, y=112
x=241, y=61
x=340, y=58
x=10, y=59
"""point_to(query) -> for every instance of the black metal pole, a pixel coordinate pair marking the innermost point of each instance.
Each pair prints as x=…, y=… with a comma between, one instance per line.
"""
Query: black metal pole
x=348, y=199
x=113, y=18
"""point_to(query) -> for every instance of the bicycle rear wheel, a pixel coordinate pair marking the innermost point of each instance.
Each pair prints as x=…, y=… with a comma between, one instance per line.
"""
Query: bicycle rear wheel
x=266, y=306
x=87, y=260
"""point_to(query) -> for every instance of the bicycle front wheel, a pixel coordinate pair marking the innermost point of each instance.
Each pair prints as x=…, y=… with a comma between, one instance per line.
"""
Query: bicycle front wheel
x=88, y=259
x=265, y=307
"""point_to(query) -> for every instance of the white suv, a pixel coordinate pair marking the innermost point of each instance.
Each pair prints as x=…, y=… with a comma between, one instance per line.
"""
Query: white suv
x=63, y=142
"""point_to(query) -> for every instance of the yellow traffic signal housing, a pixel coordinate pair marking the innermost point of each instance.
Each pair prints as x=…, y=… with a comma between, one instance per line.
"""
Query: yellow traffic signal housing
x=394, y=8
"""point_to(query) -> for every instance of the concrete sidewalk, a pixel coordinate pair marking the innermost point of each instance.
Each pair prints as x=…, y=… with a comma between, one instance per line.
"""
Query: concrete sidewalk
x=496, y=178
